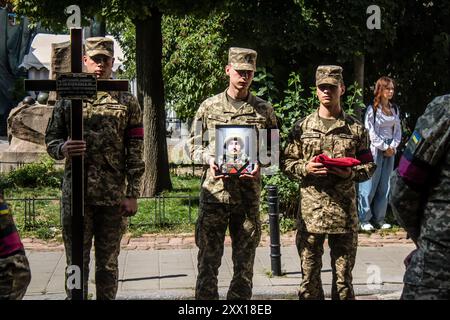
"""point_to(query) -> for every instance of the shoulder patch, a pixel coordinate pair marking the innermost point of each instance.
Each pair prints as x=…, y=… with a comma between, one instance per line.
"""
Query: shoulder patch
x=416, y=137
x=4, y=209
x=414, y=142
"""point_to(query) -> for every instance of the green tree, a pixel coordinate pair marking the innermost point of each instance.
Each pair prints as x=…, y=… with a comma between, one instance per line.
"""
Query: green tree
x=420, y=57
x=194, y=54
x=298, y=34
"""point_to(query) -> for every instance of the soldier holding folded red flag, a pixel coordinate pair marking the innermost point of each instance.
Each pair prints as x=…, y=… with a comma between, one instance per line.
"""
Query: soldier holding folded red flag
x=328, y=196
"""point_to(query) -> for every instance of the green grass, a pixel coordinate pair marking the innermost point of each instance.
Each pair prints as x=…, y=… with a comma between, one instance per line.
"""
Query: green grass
x=157, y=215
x=165, y=214
x=45, y=224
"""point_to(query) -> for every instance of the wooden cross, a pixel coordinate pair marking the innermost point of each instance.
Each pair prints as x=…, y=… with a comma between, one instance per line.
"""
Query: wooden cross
x=76, y=86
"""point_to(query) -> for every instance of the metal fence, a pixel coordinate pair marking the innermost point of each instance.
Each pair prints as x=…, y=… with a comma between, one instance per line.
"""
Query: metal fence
x=193, y=170
x=153, y=211
x=164, y=210
x=173, y=127
x=7, y=166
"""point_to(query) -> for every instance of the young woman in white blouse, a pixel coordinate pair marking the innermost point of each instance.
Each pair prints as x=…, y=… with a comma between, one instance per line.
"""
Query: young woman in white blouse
x=383, y=123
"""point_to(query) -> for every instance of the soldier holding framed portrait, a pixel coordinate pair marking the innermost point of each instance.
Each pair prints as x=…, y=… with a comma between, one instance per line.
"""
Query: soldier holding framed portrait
x=229, y=196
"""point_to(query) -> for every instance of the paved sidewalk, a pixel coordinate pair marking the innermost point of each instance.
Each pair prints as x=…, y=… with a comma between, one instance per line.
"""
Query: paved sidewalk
x=187, y=241
x=171, y=273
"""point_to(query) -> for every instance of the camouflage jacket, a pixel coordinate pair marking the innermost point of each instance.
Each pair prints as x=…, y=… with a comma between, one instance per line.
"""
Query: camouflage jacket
x=113, y=132
x=328, y=204
x=217, y=110
x=420, y=195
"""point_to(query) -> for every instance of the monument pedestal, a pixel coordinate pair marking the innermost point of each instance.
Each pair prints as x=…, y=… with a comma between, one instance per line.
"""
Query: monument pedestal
x=21, y=152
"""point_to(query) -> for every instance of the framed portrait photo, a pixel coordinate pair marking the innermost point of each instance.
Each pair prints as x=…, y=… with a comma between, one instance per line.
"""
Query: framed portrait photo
x=236, y=149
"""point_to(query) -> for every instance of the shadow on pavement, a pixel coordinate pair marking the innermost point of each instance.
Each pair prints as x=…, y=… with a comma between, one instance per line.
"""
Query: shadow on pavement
x=153, y=278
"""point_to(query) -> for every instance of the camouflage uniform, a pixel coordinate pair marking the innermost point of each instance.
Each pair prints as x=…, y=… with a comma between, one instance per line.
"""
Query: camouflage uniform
x=328, y=204
x=233, y=202
x=15, y=272
x=420, y=201
x=113, y=167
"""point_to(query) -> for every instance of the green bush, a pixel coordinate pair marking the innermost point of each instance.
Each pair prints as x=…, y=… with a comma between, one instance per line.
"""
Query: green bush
x=287, y=224
x=5, y=181
x=37, y=174
x=288, y=192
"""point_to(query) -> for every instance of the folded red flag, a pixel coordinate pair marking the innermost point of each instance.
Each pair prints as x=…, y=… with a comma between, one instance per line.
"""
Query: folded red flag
x=336, y=162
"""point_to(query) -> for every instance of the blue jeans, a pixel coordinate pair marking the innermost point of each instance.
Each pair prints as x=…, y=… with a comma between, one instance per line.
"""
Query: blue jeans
x=373, y=193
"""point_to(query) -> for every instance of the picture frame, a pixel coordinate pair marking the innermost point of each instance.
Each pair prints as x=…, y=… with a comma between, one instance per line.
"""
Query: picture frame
x=236, y=149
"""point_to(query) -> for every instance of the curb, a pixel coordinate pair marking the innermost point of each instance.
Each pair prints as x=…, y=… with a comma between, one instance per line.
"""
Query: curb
x=259, y=293
x=187, y=241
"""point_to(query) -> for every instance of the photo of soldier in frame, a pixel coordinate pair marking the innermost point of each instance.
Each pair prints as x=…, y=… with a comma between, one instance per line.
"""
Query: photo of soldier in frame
x=236, y=149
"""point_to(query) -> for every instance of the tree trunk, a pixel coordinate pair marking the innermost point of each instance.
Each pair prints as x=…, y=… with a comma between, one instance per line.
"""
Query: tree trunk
x=358, y=63
x=150, y=93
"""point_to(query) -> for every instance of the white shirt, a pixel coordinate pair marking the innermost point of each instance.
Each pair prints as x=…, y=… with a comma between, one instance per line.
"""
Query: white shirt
x=383, y=128
x=386, y=126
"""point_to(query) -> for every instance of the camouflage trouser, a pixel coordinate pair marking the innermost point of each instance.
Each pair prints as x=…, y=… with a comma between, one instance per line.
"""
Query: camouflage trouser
x=106, y=226
x=245, y=231
x=15, y=277
x=413, y=292
x=343, y=253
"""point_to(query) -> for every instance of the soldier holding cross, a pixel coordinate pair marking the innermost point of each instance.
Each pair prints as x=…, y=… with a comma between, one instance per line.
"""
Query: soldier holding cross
x=112, y=147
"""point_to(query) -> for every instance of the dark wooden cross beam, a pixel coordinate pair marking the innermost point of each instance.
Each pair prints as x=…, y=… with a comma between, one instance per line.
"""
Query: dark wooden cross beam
x=76, y=86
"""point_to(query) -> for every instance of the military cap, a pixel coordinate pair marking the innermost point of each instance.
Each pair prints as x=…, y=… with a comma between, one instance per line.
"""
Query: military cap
x=242, y=58
x=329, y=75
x=99, y=45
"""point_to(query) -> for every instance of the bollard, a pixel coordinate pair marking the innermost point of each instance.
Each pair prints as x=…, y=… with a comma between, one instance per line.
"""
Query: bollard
x=275, y=255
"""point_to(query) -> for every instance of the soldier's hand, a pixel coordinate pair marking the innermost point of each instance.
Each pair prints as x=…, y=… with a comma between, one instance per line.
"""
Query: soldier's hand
x=252, y=175
x=128, y=207
x=316, y=169
x=341, y=172
x=72, y=148
x=214, y=168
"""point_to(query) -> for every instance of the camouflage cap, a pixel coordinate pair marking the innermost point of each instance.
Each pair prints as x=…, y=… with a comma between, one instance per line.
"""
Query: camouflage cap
x=99, y=45
x=329, y=75
x=242, y=58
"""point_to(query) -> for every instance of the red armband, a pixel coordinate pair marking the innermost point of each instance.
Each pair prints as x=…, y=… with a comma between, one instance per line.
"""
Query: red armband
x=135, y=133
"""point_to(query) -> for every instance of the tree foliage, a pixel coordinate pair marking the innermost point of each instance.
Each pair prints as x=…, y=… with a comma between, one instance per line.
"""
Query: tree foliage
x=195, y=55
x=419, y=56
